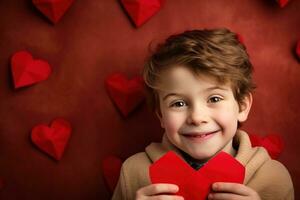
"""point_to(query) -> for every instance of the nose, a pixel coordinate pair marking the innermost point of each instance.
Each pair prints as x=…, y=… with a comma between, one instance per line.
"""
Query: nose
x=198, y=114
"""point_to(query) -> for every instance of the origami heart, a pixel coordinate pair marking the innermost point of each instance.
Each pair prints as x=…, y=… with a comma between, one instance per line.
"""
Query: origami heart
x=141, y=10
x=111, y=166
x=272, y=143
x=298, y=49
x=27, y=71
x=240, y=38
x=126, y=94
x=52, y=140
x=53, y=9
x=196, y=184
x=282, y=3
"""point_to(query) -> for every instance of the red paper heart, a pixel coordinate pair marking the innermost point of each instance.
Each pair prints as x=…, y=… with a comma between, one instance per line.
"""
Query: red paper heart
x=282, y=3
x=273, y=143
x=298, y=49
x=27, y=71
x=240, y=38
x=126, y=94
x=141, y=10
x=196, y=184
x=52, y=140
x=111, y=171
x=53, y=9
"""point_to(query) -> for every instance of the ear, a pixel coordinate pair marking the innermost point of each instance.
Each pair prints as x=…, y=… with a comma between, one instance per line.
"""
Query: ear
x=159, y=115
x=245, y=107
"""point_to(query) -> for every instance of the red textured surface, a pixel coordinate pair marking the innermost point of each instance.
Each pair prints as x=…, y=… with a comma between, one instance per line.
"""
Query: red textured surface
x=196, y=184
x=1, y=184
x=95, y=39
x=298, y=49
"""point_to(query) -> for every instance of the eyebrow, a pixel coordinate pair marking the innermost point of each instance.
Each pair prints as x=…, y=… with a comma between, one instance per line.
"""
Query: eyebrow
x=170, y=94
x=206, y=90
x=216, y=88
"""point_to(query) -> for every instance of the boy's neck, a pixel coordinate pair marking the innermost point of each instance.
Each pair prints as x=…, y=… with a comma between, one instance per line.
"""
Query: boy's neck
x=228, y=149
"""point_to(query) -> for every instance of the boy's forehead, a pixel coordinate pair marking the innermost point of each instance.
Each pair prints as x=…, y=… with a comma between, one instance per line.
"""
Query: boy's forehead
x=183, y=77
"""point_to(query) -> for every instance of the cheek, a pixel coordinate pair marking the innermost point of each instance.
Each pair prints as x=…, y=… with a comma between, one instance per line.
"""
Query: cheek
x=228, y=115
x=173, y=121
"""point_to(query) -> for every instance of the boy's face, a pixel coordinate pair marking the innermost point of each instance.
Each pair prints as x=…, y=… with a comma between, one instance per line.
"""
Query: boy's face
x=199, y=115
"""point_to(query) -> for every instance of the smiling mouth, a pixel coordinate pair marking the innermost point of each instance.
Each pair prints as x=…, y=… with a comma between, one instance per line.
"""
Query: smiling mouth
x=200, y=135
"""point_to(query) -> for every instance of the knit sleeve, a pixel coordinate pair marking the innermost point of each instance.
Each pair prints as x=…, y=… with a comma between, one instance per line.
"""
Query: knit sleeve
x=272, y=181
x=134, y=175
x=120, y=191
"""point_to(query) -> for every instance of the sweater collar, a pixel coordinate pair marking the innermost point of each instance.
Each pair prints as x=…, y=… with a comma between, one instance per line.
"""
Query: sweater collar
x=251, y=158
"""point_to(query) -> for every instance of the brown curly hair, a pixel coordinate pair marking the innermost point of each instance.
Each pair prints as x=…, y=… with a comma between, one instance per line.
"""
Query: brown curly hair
x=215, y=52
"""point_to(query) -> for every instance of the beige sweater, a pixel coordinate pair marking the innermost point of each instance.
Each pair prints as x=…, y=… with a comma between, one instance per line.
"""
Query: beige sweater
x=268, y=177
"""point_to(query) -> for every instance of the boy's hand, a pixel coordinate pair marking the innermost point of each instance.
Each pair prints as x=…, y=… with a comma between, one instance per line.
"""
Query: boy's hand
x=232, y=191
x=158, y=191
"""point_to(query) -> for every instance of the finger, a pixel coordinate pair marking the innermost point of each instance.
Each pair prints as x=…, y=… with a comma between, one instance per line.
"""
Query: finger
x=225, y=196
x=166, y=197
x=158, y=188
x=235, y=188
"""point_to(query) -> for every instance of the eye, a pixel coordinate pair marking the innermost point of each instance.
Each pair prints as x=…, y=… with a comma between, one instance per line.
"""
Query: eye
x=178, y=104
x=214, y=99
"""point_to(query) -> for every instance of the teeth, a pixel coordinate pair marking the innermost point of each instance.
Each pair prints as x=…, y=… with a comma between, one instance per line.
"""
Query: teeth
x=201, y=136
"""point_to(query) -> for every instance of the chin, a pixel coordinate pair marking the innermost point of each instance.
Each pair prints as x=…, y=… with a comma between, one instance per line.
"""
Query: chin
x=201, y=156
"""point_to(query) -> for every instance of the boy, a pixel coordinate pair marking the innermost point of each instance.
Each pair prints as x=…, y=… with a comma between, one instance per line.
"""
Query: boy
x=199, y=84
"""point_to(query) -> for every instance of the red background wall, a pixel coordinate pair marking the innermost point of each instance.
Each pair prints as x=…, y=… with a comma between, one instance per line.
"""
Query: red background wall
x=95, y=39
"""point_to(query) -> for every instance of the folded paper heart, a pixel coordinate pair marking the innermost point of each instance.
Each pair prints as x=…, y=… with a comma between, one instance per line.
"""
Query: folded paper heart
x=141, y=11
x=27, y=71
x=126, y=94
x=195, y=184
x=282, y=3
x=111, y=166
x=52, y=140
x=53, y=9
x=240, y=38
x=272, y=143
